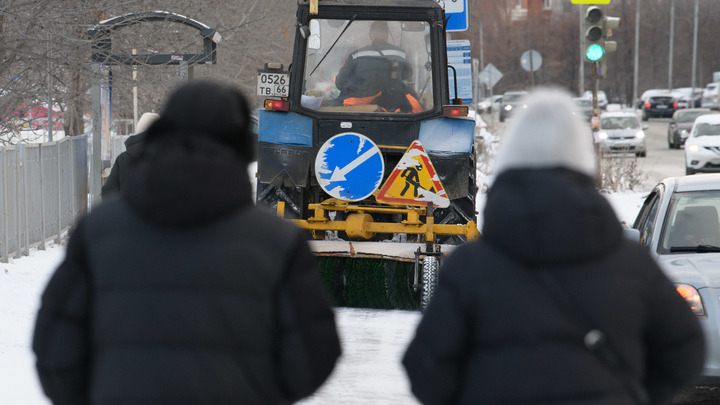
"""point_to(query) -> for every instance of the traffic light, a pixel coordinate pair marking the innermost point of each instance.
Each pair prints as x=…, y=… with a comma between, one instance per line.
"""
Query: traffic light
x=593, y=34
x=608, y=24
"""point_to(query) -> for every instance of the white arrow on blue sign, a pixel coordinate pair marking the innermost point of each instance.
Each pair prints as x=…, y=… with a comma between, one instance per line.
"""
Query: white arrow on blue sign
x=349, y=166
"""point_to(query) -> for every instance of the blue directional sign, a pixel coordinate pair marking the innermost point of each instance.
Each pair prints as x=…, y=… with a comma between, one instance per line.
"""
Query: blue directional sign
x=349, y=166
x=457, y=11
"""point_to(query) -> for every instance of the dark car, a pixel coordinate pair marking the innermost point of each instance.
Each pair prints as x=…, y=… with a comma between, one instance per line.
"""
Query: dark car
x=681, y=124
x=661, y=105
x=511, y=101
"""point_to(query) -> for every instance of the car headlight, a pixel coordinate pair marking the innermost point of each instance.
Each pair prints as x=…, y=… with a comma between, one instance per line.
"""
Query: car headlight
x=508, y=107
x=693, y=148
x=640, y=134
x=684, y=132
x=692, y=297
x=602, y=136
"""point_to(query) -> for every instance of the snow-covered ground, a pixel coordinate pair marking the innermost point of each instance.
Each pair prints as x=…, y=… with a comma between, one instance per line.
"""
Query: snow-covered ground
x=369, y=371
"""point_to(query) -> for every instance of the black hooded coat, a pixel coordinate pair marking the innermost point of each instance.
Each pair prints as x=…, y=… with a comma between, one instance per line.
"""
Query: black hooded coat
x=494, y=334
x=124, y=163
x=181, y=291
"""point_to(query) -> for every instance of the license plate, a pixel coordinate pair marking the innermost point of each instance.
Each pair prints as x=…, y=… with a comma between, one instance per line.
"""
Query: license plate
x=273, y=84
x=661, y=106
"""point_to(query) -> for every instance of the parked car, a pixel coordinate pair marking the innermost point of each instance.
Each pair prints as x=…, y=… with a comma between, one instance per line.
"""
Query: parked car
x=488, y=104
x=585, y=106
x=660, y=105
x=647, y=93
x=511, y=101
x=680, y=125
x=710, y=96
x=702, y=147
x=685, y=100
x=601, y=98
x=621, y=132
x=679, y=223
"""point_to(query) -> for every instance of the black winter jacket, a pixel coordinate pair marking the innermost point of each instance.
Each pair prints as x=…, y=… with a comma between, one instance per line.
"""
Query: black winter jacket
x=182, y=292
x=493, y=334
x=124, y=163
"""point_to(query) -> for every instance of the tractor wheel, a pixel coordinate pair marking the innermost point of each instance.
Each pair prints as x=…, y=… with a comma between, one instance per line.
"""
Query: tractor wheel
x=429, y=280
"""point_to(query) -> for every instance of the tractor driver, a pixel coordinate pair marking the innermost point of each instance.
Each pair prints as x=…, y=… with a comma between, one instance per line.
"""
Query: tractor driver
x=374, y=75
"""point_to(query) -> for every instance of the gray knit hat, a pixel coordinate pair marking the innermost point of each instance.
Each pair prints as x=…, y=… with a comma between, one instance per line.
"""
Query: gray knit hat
x=548, y=133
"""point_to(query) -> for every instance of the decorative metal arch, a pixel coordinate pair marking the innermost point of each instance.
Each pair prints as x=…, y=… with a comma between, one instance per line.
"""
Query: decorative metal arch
x=102, y=56
x=102, y=41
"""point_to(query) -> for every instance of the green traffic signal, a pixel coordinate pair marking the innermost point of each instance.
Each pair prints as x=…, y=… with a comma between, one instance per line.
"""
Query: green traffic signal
x=595, y=52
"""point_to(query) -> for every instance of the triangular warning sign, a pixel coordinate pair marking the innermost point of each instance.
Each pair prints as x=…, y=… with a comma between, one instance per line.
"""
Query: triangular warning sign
x=413, y=181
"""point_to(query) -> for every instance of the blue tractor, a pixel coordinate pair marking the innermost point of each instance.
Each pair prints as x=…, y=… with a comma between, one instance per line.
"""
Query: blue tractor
x=360, y=144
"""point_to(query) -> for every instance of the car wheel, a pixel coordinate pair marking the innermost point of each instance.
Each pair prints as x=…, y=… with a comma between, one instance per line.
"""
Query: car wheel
x=641, y=154
x=644, y=116
x=671, y=145
x=689, y=171
x=502, y=118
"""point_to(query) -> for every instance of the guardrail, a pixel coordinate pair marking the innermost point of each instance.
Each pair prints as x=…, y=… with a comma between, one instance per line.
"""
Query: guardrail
x=43, y=190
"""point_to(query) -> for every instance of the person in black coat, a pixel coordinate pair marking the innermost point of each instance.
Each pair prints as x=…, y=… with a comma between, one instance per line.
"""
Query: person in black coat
x=126, y=160
x=510, y=320
x=181, y=291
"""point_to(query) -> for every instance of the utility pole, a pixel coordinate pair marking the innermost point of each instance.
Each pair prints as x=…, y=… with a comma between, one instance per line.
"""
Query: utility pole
x=694, y=57
x=672, y=41
x=581, y=81
x=637, y=50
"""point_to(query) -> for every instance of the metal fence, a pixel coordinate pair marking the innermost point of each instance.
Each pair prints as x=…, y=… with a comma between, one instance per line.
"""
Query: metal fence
x=44, y=190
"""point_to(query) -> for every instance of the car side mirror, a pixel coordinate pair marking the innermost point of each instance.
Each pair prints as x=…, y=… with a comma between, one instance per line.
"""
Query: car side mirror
x=632, y=234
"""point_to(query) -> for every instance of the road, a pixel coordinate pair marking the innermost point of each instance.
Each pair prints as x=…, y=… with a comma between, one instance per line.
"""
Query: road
x=661, y=161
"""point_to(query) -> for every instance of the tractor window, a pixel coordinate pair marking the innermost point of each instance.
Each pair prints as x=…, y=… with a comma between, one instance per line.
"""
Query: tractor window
x=368, y=66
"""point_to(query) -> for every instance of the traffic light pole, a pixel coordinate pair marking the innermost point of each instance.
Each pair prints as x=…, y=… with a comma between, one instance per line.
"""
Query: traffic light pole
x=595, y=122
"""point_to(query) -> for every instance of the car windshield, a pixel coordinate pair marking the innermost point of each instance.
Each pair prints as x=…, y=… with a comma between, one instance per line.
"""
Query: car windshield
x=508, y=98
x=583, y=102
x=350, y=68
x=707, y=129
x=690, y=116
x=619, y=123
x=691, y=224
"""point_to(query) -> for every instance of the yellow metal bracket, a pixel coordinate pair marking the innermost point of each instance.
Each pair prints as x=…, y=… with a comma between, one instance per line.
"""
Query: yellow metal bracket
x=359, y=222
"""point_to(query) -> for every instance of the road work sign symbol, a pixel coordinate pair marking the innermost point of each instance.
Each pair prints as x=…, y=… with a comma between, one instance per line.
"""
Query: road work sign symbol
x=414, y=181
x=349, y=166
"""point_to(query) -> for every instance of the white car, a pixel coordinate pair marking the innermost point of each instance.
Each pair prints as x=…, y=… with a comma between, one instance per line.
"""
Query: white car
x=679, y=223
x=710, y=96
x=621, y=132
x=601, y=98
x=702, y=147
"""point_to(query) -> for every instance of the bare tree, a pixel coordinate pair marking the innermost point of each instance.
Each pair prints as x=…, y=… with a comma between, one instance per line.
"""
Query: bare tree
x=45, y=53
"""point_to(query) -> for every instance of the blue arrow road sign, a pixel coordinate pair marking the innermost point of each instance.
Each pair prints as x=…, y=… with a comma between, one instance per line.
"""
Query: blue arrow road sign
x=349, y=166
